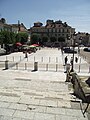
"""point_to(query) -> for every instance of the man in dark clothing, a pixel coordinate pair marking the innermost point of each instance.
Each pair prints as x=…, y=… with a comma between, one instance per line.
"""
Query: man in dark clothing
x=71, y=61
x=66, y=59
x=76, y=59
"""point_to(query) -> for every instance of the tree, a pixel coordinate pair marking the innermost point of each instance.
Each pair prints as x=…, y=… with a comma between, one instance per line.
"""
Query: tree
x=7, y=37
x=61, y=39
x=44, y=39
x=22, y=37
x=34, y=38
x=53, y=39
x=1, y=38
x=18, y=38
x=12, y=38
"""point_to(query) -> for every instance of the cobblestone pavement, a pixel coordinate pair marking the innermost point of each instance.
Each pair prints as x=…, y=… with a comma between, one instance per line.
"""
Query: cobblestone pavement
x=39, y=95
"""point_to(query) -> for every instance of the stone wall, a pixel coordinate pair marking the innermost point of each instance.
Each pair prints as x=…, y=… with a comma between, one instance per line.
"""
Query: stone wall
x=81, y=89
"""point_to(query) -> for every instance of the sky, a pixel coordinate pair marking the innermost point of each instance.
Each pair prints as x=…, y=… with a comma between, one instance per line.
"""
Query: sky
x=75, y=12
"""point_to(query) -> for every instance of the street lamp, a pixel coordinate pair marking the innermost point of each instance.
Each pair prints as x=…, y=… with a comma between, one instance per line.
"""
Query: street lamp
x=72, y=61
x=80, y=40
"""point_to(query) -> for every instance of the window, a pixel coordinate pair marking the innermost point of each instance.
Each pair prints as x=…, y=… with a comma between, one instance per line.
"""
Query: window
x=61, y=30
x=57, y=30
x=53, y=30
x=50, y=30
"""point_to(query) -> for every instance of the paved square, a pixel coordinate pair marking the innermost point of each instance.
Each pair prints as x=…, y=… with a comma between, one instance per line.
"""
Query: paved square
x=36, y=95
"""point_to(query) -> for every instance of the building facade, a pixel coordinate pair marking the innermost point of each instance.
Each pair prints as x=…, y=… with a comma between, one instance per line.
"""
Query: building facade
x=53, y=29
x=15, y=28
x=12, y=27
x=83, y=38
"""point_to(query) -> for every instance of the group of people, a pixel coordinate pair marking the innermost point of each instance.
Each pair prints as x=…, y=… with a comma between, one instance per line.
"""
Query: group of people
x=71, y=60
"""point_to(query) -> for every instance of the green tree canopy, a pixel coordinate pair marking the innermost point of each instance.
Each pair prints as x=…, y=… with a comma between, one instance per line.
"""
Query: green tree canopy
x=1, y=38
x=61, y=39
x=34, y=38
x=53, y=39
x=44, y=39
x=22, y=37
x=7, y=37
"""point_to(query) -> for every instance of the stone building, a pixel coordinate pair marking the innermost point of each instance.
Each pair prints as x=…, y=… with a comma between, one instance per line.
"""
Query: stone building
x=57, y=30
x=4, y=26
x=19, y=27
x=83, y=38
x=15, y=28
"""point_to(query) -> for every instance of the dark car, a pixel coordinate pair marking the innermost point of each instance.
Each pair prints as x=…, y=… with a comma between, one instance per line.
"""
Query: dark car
x=87, y=49
x=69, y=50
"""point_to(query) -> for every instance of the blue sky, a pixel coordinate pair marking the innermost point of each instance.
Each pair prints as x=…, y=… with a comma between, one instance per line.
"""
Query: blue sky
x=75, y=12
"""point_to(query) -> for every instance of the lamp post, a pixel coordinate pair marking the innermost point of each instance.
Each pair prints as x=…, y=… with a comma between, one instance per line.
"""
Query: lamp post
x=80, y=40
x=72, y=61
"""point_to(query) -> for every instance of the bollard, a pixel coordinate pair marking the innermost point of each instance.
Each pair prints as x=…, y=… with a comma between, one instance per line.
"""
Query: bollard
x=27, y=59
x=13, y=58
x=26, y=54
x=35, y=66
x=42, y=59
x=16, y=66
x=25, y=66
x=6, y=57
x=49, y=59
x=68, y=73
x=34, y=58
x=6, y=64
x=46, y=67
x=56, y=59
x=20, y=58
x=79, y=65
x=80, y=60
x=56, y=67
x=89, y=68
x=79, y=68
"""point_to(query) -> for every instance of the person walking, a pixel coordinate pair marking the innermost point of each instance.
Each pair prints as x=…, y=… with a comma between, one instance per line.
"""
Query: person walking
x=76, y=59
x=66, y=59
x=71, y=61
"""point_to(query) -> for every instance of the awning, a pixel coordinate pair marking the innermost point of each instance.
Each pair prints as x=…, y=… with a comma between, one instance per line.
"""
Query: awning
x=35, y=45
x=18, y=44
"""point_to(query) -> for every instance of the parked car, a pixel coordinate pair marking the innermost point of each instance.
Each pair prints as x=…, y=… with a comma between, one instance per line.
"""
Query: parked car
x=87, y=49
x=2, y=51
x=69, y=50
x=81, y=45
